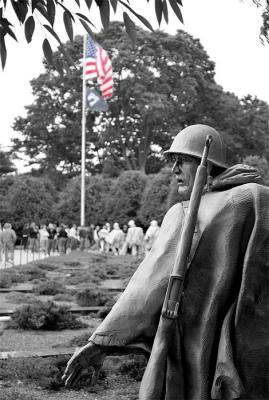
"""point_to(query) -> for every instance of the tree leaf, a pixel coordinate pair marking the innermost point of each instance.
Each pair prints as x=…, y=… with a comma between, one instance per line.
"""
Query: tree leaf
x=66, y=9
x=86, y=26
x=176, y=9
x=140, y=17
x=130, y=27
x=6, y=28
x=53, y=33
x=159, y=10
x=3, y=51
x=34, y=4
x=104, y=9
x=15, y=6
x=89, y=3
x=42, y=10
x=29, y=28
x=68, y=25
x=179, y=2
x=114, y=4
x=51, y=11
x=47, y=51
x=165, y=11
x=83, y=17
x=78, y=2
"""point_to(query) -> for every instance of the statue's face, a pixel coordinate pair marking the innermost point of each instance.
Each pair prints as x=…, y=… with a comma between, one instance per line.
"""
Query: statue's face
x=185, y=170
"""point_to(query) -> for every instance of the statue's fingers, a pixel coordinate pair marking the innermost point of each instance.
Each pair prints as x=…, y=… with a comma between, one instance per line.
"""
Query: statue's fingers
x=95, y=374
x=70, y=368
x=73, y=377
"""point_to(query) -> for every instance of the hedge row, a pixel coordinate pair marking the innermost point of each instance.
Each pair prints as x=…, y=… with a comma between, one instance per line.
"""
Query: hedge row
x=132, y=195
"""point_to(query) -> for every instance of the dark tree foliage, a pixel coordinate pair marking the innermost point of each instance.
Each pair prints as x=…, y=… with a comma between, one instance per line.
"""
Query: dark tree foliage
x=126, y=197
x=162, y=85
x=261, y=164
x=154, y=201
x=157, y=86
x=27, y=199
x=6, y=165
x=97, y=189
x=44, y=13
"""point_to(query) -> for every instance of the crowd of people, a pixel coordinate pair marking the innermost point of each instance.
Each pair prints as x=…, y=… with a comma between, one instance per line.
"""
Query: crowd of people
x=61, y=238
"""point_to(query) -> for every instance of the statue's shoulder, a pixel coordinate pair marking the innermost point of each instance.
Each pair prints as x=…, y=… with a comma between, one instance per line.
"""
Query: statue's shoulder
x=248, y=191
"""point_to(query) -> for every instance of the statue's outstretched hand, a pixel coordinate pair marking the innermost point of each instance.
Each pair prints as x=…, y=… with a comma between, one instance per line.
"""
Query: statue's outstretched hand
x=87, y=360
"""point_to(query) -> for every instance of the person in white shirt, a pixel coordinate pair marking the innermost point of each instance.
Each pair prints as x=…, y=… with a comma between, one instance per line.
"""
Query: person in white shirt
x=135, y=238
x=73, y=236
x=44, y=239
x=151, y=235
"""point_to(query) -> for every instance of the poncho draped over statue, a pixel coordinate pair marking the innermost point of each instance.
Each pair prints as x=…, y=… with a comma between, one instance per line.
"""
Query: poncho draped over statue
x=224, y=309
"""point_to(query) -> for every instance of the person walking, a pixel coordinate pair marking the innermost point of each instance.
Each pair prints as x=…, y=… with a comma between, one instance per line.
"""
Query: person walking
x=151, y=235
x=73, y=237
x=43, y=239
x=62, y=239
x=115, y=239
x=135, y=238
x=34, y=237
x=25, y=236
x=82, y=233
x=103, y=232
x=8, y=239
x=51, y=238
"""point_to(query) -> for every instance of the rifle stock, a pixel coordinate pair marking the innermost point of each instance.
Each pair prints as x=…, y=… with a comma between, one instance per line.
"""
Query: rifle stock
x=165, y=358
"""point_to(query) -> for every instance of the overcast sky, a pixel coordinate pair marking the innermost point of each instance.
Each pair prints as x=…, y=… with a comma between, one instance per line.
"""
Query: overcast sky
x=228, y=30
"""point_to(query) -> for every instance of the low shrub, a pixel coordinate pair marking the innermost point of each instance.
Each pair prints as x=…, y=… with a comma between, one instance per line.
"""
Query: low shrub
x=133, y=366
x=46, y=266
x=103, y=313
x=91, y=297
x=45, y=372
x=18, y=277
x=20, y=298
x=5, y=280
x=34, y=271
x=8, y=278
x=30, y=271
x=72, y=263
x=63, y=297
x=49, y=288
x=46, y=316
x=75, y=278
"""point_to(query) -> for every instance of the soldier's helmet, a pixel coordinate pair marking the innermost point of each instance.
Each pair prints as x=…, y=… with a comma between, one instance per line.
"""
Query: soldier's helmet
x=191, y=141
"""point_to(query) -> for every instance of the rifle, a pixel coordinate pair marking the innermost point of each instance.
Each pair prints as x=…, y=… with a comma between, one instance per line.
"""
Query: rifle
x=163, y=377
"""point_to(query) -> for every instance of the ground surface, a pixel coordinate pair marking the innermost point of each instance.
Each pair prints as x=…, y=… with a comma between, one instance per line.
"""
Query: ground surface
x=40, y=378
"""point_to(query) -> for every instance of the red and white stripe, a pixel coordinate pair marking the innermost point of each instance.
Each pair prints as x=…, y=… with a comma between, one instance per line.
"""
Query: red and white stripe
x=101, y=68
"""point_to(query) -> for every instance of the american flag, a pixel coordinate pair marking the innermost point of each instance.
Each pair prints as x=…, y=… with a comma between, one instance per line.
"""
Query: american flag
x=98, y=66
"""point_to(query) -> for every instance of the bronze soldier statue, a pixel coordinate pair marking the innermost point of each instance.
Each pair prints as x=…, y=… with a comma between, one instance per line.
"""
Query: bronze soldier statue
x=222, y=349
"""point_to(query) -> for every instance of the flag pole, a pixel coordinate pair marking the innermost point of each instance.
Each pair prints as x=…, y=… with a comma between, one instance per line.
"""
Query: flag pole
x=83, y=136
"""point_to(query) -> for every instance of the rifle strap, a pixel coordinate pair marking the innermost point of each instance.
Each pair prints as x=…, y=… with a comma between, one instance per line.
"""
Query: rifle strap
x=196, y=236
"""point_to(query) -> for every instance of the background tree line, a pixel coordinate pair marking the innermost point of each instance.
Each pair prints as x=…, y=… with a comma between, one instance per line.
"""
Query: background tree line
x=162, y=85
x=132, y=195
